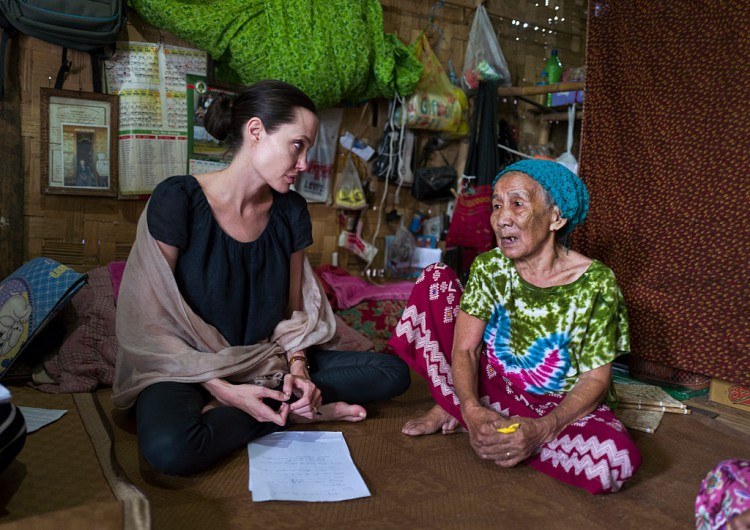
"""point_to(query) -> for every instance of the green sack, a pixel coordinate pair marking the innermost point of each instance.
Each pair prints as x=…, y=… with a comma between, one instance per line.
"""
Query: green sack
x=334, y=50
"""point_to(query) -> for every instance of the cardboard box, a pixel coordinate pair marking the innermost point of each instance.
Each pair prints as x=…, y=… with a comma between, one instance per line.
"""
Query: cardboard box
x=727, y=393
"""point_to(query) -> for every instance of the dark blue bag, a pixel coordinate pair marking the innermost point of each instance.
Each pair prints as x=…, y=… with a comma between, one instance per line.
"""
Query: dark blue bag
x=87, y=25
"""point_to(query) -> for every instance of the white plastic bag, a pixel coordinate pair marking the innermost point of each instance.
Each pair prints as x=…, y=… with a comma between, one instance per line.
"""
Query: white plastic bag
x=484, y=59
x=349, y=194
x=567, y=159
x=315, y=183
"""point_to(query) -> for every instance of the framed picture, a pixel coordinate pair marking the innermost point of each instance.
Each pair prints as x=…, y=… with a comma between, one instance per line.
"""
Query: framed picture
x=205, y=153
x=78, y=143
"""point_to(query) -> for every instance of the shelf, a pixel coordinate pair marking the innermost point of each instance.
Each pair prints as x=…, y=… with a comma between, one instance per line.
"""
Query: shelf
x=540, y=89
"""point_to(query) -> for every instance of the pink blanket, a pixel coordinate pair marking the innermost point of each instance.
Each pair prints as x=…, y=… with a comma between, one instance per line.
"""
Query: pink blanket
x=351, y=290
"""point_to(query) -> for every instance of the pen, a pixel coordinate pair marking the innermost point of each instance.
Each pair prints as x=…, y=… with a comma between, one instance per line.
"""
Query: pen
x=509, y=429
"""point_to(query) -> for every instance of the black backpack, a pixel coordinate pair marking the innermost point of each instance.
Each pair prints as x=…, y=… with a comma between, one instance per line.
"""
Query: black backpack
x=87, y=25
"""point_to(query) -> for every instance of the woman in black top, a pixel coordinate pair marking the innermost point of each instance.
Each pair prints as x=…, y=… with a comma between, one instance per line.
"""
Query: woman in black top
x=235, y=240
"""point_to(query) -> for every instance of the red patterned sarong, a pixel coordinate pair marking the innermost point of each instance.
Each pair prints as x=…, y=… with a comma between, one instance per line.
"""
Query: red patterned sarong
x=595, y=453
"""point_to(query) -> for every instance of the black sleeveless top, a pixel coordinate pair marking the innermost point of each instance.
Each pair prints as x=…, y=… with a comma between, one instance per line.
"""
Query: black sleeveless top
x=242, y=289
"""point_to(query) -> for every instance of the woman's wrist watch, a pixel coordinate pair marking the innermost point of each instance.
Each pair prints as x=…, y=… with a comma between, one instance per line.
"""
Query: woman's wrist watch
x=298, y=357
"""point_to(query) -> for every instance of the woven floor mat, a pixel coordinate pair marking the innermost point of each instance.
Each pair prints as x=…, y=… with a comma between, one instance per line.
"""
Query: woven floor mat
x=437, y=482
x=64, y=476
x=427, y=482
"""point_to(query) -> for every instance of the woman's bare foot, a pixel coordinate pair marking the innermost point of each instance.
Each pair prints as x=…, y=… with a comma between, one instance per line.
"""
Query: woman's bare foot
x=434, y=420
x=338, y=411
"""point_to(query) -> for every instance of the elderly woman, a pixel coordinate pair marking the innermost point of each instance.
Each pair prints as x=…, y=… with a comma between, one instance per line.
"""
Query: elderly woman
x=522, y=359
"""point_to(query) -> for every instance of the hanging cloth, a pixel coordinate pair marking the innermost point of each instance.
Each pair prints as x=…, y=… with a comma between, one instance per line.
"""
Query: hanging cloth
x=470, y=226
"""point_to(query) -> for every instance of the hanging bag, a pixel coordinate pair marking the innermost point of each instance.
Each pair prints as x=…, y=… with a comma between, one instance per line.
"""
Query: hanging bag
x=436, y=104
x=87, y=25
x=349, y=193
x=470, y=225
x=567, y=159
x=484, y=59
x=434, y=183
x=315, y=183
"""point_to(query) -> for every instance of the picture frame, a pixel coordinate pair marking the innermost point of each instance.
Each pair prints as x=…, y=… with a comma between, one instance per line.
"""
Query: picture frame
x=78, y=147
x=205, y=153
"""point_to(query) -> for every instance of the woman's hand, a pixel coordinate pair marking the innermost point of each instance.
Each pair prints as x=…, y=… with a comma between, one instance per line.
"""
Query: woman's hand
x=298, y=382
x=309, y=398
x=249, y=399
x=515, y=447
x=483, y=435
x=505, y=450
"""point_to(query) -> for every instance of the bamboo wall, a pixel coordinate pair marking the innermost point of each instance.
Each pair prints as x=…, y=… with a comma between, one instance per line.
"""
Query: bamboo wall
x=85, y=232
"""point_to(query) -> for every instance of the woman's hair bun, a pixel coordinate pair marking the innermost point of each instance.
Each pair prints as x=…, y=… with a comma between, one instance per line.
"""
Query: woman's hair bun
x=218, y=118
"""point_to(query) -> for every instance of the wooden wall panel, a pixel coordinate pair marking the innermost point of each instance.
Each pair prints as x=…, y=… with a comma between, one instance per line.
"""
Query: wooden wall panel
x=85, y=232
x=11, y=167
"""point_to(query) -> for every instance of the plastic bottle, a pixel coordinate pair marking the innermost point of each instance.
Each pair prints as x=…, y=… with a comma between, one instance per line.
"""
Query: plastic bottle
x=554, y=69
x=542, y=98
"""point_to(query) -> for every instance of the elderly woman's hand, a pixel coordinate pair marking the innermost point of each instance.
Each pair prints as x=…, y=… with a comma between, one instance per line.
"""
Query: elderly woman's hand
x=509, y=449
x=483, y=435
x=515, y=447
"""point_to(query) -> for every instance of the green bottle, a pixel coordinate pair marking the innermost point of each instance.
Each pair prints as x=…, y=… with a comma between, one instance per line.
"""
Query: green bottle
x=554, y=69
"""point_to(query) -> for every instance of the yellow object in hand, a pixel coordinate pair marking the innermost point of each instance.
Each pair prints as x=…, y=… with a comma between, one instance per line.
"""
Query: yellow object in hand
x=509, y=429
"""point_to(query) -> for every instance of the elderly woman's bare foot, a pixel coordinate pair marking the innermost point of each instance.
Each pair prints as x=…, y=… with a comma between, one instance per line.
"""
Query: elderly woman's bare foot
x=436, y=419
x=338, y=411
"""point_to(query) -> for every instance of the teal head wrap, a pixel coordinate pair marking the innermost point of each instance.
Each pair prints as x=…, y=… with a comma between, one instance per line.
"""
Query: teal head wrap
x=568, y=191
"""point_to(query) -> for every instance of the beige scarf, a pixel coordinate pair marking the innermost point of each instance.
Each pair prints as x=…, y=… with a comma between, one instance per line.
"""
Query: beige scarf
x=161, y=339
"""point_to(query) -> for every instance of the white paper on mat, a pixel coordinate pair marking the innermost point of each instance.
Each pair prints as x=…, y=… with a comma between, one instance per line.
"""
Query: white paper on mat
x=38, y=418
x=303, y=466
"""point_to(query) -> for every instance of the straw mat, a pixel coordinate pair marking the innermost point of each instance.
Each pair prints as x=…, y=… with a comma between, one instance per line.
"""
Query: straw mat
x=426, y=482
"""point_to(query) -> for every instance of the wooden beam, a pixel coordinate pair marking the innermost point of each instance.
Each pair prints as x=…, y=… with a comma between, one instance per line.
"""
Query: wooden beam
x=540, y=89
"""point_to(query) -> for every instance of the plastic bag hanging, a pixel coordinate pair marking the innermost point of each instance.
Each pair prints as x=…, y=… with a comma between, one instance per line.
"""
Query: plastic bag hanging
x=315, y=183
x=484, y=59
x=436, y=105
x=349, y=194
x=567, y=159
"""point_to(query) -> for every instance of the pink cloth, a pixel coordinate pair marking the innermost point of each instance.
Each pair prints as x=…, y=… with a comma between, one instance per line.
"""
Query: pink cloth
x=86, y=358
x=116, y=269
x=595, y=453
x=351, y=290
x=724, y=494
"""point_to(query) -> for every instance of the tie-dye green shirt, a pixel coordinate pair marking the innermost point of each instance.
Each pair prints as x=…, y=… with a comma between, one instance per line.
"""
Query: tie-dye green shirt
x=544, y=338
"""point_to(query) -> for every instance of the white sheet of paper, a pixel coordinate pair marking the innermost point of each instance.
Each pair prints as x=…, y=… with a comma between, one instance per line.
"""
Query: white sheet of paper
x=303, y=466
x=38, y=418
